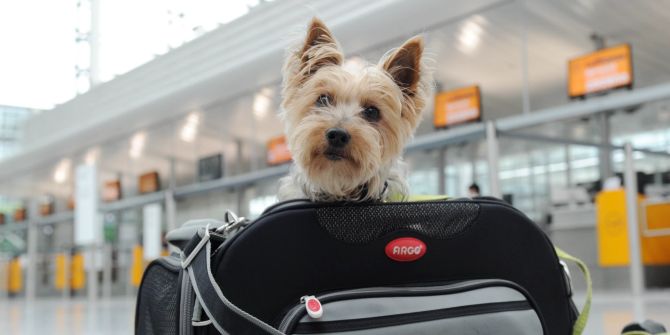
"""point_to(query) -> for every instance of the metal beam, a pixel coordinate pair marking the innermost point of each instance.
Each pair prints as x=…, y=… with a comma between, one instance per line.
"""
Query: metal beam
x=232, y=182
x=580, y=109
x=133, y=202
x=61, y=217
x=562, y=141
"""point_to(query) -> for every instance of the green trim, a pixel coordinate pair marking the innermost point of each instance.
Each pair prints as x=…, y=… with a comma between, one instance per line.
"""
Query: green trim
x=583, y=317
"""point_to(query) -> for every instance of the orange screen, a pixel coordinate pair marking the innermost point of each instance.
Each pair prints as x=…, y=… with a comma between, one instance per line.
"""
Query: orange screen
x=600, y=71
x=278, y=151
x=457, y=106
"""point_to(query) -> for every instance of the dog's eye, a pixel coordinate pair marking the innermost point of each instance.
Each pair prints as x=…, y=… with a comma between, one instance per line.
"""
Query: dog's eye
x=371, y=113
x=323, y=100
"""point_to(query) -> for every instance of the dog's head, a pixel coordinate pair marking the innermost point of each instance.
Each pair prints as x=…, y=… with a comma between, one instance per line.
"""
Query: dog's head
x=343, y=125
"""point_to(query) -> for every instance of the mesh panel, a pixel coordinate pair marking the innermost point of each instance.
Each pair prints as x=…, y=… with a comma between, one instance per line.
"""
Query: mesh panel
x=159, y=300
x=362, y=224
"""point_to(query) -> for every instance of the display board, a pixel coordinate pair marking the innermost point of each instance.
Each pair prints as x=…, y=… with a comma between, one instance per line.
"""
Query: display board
x=111, y=190
x=457, y=106
x=600, y=71
x=210, y=167
x=149, y=182
x=20, y=214
x=277, y=151
x=46, y=205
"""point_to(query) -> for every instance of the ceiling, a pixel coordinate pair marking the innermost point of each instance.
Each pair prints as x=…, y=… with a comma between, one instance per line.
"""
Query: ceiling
x=482, y=45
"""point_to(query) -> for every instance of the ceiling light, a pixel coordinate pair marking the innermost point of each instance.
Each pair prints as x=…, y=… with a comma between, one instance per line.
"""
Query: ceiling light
x=190, y=128
x=263, y=103
x=92, y=156
x=62, y=171
x=137, y=145
x=470, y=33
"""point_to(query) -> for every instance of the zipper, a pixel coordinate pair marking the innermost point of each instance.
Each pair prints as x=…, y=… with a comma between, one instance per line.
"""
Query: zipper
x=297, y=312
x=409, y=318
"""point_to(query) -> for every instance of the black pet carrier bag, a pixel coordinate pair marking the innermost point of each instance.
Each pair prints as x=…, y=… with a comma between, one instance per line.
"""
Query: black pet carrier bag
x=459, y=267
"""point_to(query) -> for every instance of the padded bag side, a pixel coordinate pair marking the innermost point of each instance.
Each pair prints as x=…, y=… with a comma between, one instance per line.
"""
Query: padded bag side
x=157, y=310
x=297, y=251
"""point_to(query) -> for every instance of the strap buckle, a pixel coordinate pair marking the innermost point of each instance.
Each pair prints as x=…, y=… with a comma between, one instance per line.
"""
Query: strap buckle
x=203, y=241
x=233, y=223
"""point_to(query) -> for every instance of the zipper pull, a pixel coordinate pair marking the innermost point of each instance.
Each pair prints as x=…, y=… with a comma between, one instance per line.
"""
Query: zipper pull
x=313, y=306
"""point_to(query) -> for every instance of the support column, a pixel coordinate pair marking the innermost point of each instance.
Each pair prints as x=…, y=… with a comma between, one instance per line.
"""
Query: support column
x=605, y=155
x=636, y=266
x=31, y=267
x=441, y=174
x=492, y=155
x=170, y=205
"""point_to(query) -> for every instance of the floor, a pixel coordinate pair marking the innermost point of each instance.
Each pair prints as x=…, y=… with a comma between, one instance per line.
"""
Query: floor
x=111, y=317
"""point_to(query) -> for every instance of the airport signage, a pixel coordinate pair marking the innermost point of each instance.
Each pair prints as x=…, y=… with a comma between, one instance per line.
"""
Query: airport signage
x=111, y=190
x=20, y=214
x=149, y=182
x=457, y=106
x=600, y=71
x=277, y=151
x=210, y=167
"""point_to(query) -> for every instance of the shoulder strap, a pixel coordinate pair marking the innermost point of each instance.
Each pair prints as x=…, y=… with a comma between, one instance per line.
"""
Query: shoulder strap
x=583, y=317
x=223, y=314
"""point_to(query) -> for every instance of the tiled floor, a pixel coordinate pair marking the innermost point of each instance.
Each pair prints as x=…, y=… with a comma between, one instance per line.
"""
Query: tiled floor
x=74, y=317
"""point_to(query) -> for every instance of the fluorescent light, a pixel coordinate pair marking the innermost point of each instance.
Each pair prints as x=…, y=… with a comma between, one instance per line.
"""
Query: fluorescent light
x=137, y=145
x=470, y=33
x=190, y=128
x=62, y=171
x=92, y=156
x=263, y=103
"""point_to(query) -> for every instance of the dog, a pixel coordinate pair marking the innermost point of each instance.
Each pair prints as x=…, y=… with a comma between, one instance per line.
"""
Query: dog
x=346, y=128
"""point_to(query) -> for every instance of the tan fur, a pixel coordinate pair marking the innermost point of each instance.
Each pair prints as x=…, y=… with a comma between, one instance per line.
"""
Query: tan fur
x=398, y=86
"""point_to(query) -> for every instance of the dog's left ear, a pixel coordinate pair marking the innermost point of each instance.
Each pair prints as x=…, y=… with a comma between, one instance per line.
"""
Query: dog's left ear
x=319, y=49
x=404, y=65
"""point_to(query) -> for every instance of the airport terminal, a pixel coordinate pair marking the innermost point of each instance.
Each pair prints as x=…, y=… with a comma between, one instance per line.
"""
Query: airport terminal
x=545, y=124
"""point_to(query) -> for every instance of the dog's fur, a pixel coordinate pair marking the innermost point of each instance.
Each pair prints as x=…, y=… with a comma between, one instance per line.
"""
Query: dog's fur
x=369, y=167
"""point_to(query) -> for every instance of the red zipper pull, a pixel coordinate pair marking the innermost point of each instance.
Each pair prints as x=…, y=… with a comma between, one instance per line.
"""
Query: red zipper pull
x=313, y=306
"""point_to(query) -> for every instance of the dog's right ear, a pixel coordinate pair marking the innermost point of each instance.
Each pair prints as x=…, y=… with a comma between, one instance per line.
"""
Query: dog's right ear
x=318, y=50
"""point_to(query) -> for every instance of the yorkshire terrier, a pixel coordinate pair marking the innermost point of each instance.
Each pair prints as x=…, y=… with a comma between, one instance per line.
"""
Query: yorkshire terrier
x=346, y=128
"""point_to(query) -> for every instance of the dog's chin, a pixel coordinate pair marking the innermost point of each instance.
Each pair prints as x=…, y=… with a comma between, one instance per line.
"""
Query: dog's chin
x=335, y=155
x=333, y=170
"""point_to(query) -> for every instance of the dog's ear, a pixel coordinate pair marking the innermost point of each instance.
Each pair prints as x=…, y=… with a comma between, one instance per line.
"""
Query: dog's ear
x=318, y=50
x=405, y=66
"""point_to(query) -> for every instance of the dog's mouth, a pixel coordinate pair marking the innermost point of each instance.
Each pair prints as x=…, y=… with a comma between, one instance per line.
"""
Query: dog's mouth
x=335, y=154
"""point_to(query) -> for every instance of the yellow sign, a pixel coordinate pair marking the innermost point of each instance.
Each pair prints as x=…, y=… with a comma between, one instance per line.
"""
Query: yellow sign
x=137, y=267
x=600, y=71
x=612, y=229
x=457, y=106
x=15, y=284
x=78, y=279
x=657, y=249
x=61, y=274
x=278, y=152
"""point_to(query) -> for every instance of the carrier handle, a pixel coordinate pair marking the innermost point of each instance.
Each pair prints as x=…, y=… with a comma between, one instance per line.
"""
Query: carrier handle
x=583, y=317
x=218, y=308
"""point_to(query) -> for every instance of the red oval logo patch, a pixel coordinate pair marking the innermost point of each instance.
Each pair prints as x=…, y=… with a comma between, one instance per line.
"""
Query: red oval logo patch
x=405, y=249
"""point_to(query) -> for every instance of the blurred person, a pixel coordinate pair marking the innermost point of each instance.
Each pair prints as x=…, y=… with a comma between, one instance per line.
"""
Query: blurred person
x=473, y=191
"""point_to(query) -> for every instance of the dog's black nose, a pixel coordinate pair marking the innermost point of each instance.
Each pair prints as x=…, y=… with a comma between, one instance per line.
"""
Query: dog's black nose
x=337, y=137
